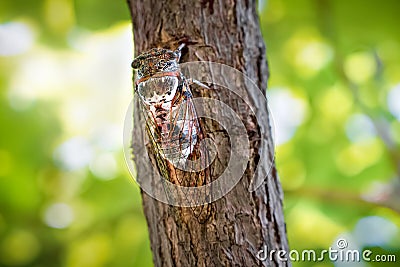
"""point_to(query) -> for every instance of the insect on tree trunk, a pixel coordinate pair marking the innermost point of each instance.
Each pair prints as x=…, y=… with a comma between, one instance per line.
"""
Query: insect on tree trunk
x=243, y=221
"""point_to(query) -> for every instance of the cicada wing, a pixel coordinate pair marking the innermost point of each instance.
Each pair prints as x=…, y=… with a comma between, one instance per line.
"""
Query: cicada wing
x=200, y=161
x=155, y=151
x=194, y=158
x=180, y=155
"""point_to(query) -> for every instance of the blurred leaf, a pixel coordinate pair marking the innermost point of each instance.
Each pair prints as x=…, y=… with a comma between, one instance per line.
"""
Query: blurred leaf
x=95, y=15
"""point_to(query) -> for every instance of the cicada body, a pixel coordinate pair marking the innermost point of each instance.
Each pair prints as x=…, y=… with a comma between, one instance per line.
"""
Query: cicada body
x=172, y=124
x=166, y=99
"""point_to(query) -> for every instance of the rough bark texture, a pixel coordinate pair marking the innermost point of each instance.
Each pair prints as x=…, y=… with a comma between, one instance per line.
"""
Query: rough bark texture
x=243, y=222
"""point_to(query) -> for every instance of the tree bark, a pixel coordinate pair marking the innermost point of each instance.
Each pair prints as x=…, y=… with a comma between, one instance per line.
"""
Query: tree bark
x=242, y=222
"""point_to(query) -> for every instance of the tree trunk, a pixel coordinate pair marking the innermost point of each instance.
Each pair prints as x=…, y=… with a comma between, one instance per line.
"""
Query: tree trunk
x=244, y=221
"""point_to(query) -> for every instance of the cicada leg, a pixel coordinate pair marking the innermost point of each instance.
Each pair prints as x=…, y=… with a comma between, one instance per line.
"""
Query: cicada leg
x=193, y=81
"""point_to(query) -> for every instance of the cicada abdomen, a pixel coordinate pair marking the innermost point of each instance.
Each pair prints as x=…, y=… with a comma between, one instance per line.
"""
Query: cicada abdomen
x=171, y=120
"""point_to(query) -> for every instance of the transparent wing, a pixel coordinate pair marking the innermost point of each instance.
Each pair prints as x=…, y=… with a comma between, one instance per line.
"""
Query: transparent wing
x=194, y=168
x=180, y=156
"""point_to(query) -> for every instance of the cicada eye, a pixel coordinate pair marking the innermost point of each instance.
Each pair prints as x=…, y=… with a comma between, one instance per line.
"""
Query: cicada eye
x=156, y=90
x=135, y=64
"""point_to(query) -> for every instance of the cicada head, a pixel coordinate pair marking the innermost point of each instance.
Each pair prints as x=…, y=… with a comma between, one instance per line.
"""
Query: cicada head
x=158, y=75
x=155, y=61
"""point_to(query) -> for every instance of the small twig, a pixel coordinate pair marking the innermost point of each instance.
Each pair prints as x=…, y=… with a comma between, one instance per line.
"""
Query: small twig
x=340, y=197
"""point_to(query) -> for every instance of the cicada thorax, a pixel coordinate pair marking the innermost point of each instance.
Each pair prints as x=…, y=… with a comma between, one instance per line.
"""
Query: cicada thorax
x=173, y=120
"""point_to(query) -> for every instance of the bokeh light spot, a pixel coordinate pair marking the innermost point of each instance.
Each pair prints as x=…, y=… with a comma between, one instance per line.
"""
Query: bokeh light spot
x=335, y=103
x=375, y=231
x=395, y=131
x=288, y=112
x=104, y=166
x=15, y=38
x=74, y=154
x=358, y=156
x=59, y=14
x=93, y=251
x=108, y=136
x=307, y=51
x=360, y=128
x=393, y=101
x=19, y=248
x=59, y=215
x=39, y=77
x=312, y=57
x=360, y=67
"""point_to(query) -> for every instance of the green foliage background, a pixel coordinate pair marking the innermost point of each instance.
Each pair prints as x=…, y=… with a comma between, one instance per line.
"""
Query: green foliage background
x=66, y=197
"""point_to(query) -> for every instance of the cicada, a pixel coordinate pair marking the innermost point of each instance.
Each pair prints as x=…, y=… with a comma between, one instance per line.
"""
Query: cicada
x=172, y=124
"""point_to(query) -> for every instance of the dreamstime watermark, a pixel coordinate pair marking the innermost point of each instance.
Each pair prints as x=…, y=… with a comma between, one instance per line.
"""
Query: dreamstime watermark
x=342, y=254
